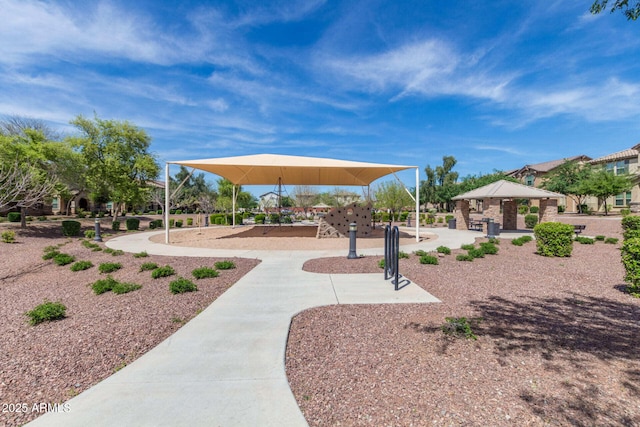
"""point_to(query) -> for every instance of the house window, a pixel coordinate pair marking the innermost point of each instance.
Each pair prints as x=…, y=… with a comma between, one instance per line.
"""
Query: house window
x=55, y=203
x=529, y=180
x=618, y=168
x=623, y=199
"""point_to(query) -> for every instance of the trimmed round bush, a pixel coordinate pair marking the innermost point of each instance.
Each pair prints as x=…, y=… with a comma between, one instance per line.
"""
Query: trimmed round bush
x=530, y=220
x=70, y=228
x=630, y=226
x=189, y=222
x=554, y=239
x=115, y=225
x=182, y=285
x=132, y=224
x=14, y=216
x=179, y=223
x=534, y=209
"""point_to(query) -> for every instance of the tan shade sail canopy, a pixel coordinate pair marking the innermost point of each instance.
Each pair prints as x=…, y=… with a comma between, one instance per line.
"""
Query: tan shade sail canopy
x=508, y=190
x=266, y=169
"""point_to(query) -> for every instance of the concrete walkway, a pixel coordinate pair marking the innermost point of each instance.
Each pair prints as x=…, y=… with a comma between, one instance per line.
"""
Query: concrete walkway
x=226, y=366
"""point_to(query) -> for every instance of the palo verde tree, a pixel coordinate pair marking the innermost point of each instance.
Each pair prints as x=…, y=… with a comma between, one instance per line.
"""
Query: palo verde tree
x=604, y=184
x=118, y=160
x=568, y=179
x=393, y=196
x=631, y=12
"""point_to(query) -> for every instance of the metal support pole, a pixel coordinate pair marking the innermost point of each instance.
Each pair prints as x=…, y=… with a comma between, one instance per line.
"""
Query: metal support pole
x=98, y=237
x=167, y=196
x=353, y=229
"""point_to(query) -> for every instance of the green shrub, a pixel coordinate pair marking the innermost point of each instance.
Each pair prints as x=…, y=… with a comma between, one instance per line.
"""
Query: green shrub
x=189, y=222
x=489, y=248
x=447, y=218
x=534, y=209
x=109, y=267
x=120, y=288
x=611, y=240
x=103, y=285
x=81, y=265
x=530, y=220
x=429, y=259
x=114, y=252
x=381, y=263
x=70, y=227
x=523, y=209
x=179, y=223
x=14, y=216
x=142, y=254
x=561, y=209
x=46, y=312
x=178, y=211
x=476, y=253
x=554, y=239
x=50, y=252
x=63, y=259
x=460, y=327
x=89, y=234
x=259, y=219
x=443, y=250
x=631, y=262
x=630, y=226
x=521, y=240
x=182, y=285
x=420, y=252
x=225, y=265
x=132, y=224
x=165, y=271
x=8, y=236
x=464, y=257
x=204, y=272
x=625, y=211
x=90, y=245
x=172, y=222
x=494, y=240
x=115, y=225
x=148, y=266
x=403, y=255
x=440, y=220
x=42, y=218
x=600, y=238
x=467, y=247
x=585, y=240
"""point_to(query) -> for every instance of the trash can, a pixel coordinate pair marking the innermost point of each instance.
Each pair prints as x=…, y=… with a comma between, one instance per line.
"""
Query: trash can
x=452, y=224
x=493, y=229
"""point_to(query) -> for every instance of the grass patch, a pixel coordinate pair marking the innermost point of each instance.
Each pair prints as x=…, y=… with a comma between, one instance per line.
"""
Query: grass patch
x=46, y=312
x=148, y=266
x=109, y=267
x=460, y=327
x=114, y=252
x=182, y=285
x=63, y=259
x=611, y=240
x=584, y=240
x=81, y=265
x=600, y=238
x=521, y=240
x=123, y=288
x=165, y=271
x=204, y=272
x=224, y=265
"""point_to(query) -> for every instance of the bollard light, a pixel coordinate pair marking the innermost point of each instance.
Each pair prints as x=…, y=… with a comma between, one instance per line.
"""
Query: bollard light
x=353, y=228
x=97, y=238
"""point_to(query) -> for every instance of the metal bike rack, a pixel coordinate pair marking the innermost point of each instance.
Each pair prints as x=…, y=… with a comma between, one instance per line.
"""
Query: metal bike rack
x=392, y=257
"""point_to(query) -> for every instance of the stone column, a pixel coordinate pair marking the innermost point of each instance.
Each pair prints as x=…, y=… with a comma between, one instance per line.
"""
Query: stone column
x=548, y=210
x=491, y=209
x=462, y=215
x=510, y=215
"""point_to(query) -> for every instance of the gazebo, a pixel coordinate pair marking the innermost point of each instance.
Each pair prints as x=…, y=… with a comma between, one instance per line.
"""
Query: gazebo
x=505, y=193
x=269, y=169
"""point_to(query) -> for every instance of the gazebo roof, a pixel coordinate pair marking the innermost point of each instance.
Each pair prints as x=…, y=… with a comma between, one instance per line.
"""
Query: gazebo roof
x=508, y=190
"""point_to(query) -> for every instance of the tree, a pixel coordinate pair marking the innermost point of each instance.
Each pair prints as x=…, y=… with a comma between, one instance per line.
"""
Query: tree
x=305, y=197
x=26, y=174
x=18, y=125
x=604, y=184
x=393, y=196
x=567, y=179
x=244, y=199
x=471, y=182
x=631, y=12
x=195, y=191
x=117, y=159
x=440, y=185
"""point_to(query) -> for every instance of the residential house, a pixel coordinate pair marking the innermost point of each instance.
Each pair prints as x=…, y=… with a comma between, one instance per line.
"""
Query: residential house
x=533, y=175
x=620, y=163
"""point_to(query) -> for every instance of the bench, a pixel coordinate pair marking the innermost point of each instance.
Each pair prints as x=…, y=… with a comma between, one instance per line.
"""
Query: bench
x=475, y=225
x=579, y=228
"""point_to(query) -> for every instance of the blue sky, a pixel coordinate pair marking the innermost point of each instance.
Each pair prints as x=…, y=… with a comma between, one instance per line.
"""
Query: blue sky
x=496, y=84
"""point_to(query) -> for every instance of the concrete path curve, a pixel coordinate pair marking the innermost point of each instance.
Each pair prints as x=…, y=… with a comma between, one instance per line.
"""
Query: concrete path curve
x=226, y=366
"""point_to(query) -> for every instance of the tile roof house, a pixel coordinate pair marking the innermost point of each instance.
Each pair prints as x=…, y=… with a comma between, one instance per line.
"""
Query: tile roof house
x=619, y=163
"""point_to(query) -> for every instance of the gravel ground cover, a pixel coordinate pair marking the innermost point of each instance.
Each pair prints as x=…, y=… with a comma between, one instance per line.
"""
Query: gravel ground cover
x=557, y=344
x=53, y=361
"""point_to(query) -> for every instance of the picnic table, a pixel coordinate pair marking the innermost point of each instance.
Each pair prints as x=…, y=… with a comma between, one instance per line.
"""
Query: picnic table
x=579, y=228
